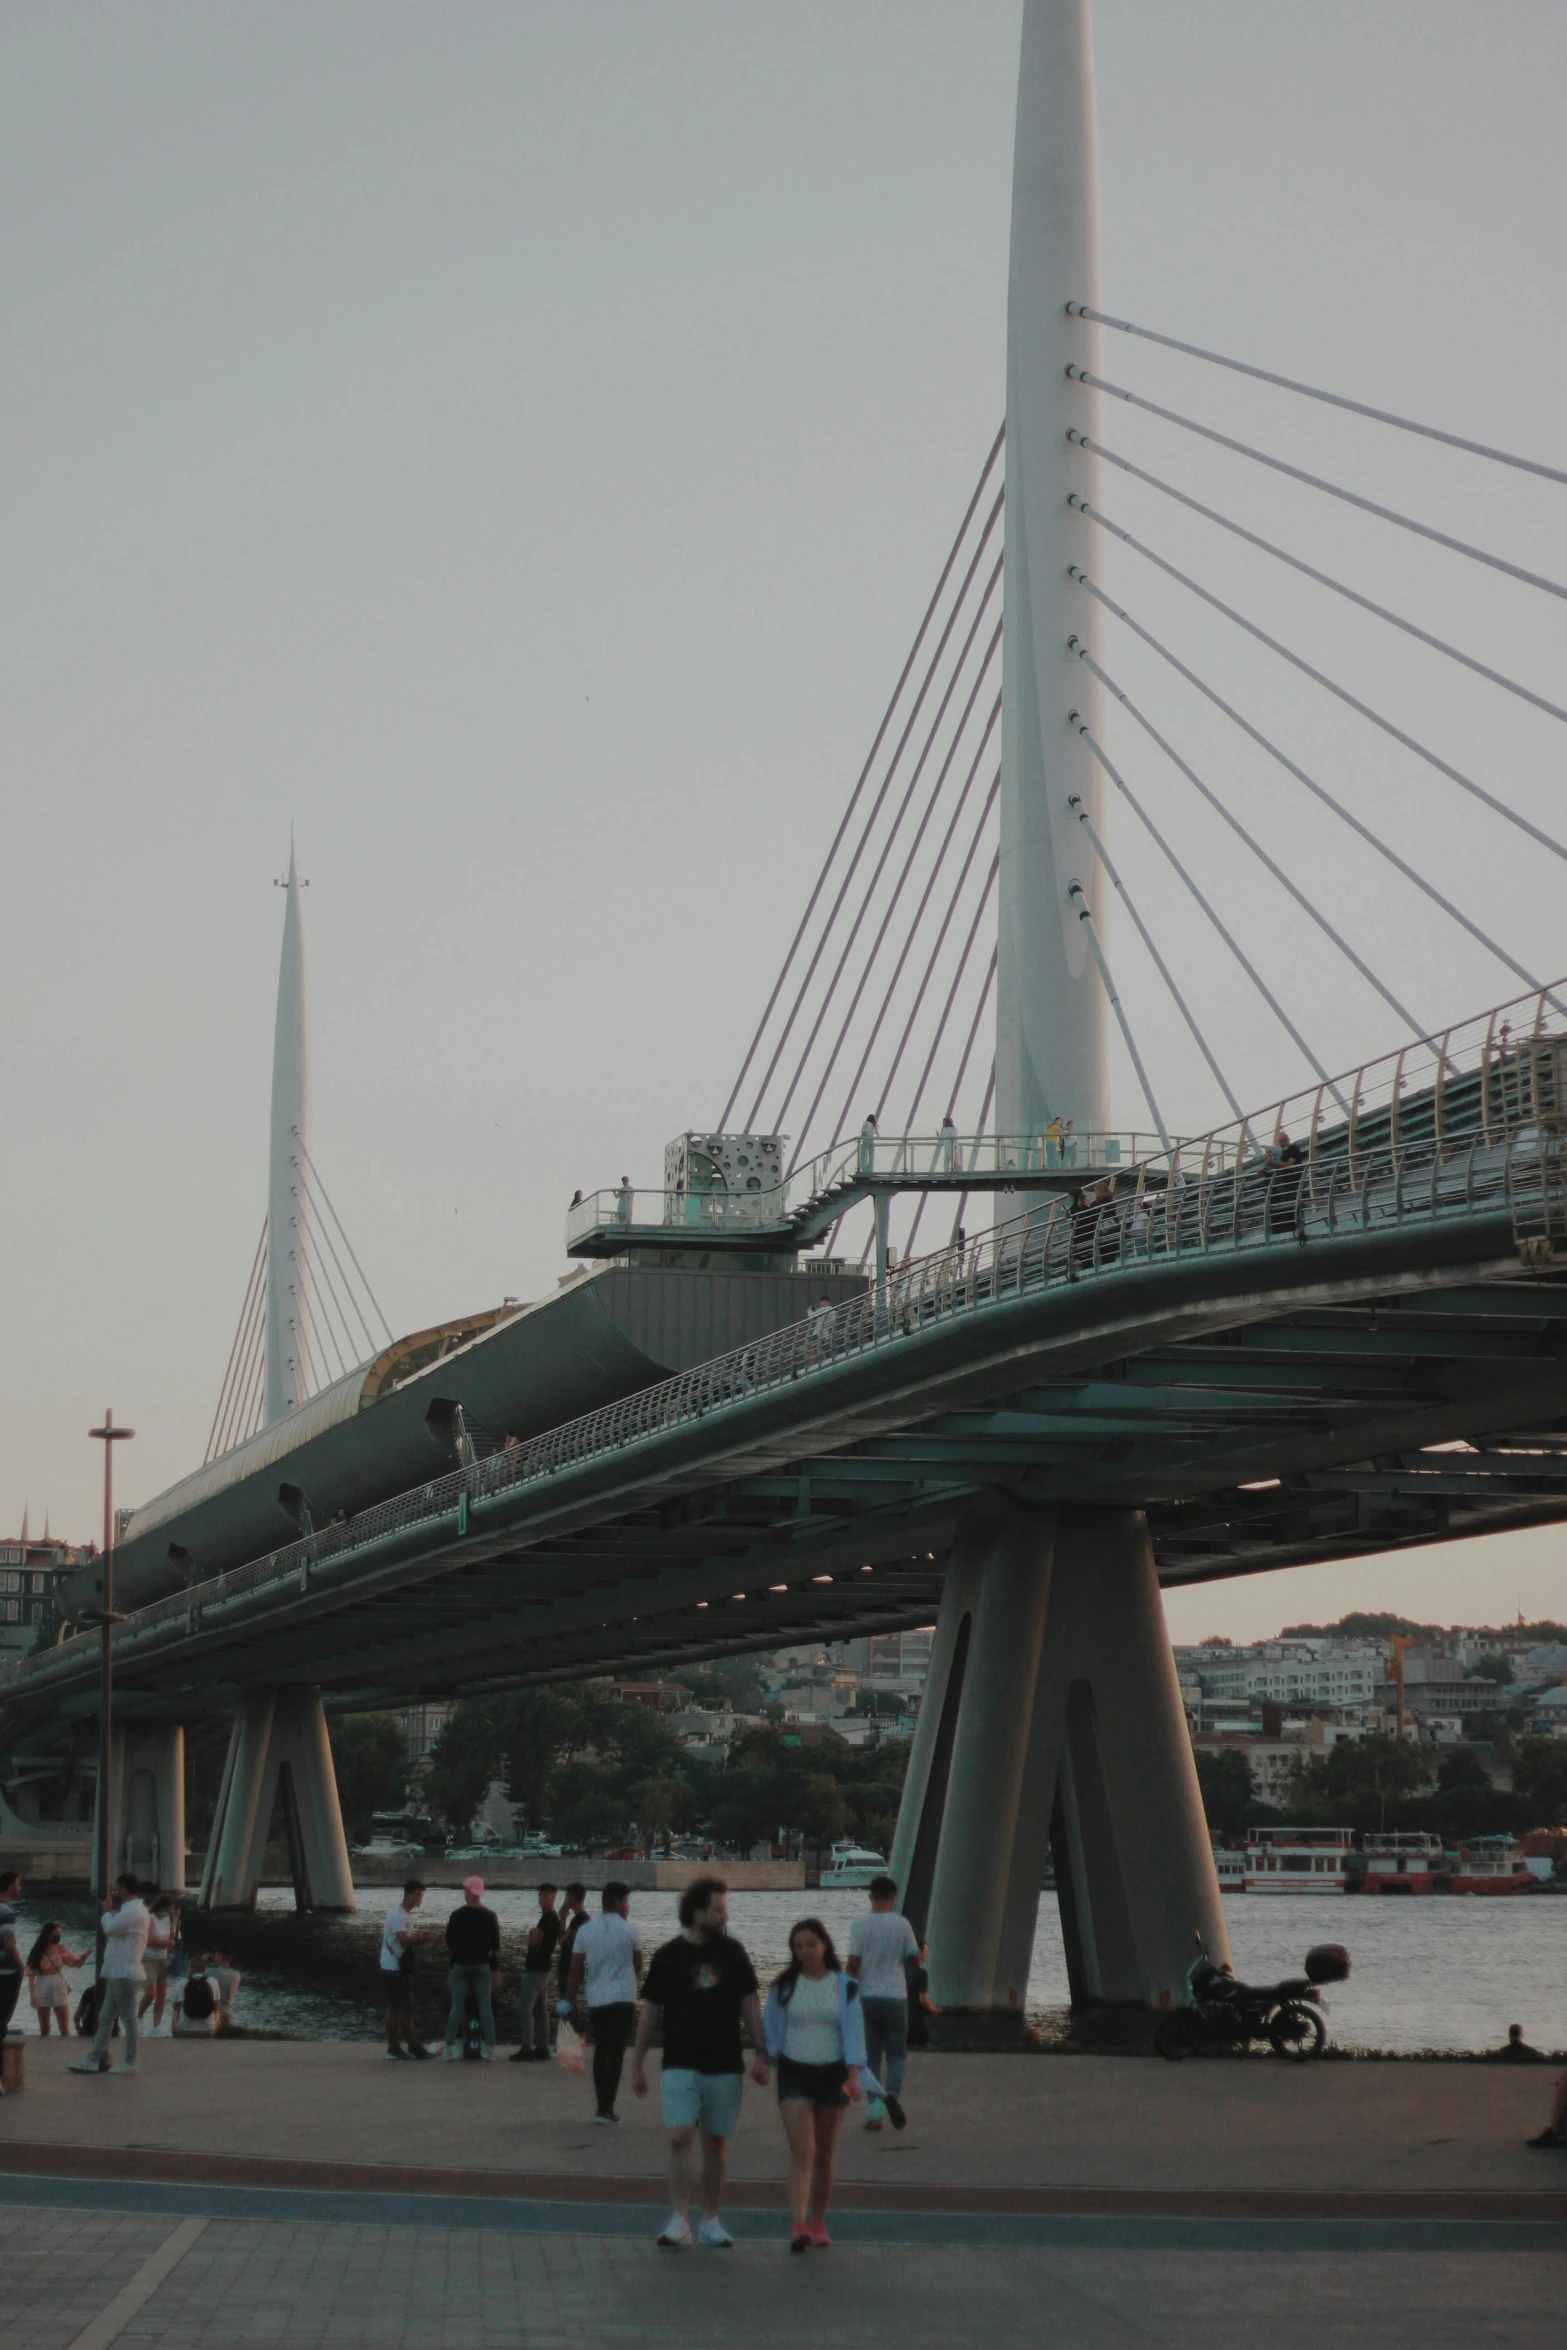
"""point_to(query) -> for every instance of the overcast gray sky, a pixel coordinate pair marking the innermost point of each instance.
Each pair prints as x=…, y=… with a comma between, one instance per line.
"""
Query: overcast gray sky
x=513, y=445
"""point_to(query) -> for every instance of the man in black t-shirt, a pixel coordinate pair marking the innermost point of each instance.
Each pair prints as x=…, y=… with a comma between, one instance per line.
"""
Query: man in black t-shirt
x=702, y=1987
x=473, y=1937
x=533, y=1991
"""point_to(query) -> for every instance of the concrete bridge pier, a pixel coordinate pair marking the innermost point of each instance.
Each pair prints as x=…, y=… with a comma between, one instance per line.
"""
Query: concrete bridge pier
x=147, y=1803
x=1052, y=1721
x=279, y=1742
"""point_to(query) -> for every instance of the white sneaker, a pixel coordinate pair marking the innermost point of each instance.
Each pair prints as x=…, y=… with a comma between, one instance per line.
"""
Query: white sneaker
x=452, y=2055
x=713, y=2231
x=486, y=2055
x=86, y=2064
x=125, y=2068
x=675, y=2233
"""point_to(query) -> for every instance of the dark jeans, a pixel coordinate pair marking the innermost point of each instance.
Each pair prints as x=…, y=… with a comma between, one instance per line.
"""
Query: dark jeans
x=10, y=1988
x=886, y=2041
x=533, y=2009
x=613, y=2026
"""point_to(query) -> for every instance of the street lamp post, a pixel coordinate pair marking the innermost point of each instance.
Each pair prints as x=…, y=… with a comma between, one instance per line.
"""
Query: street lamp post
x=108, y=1436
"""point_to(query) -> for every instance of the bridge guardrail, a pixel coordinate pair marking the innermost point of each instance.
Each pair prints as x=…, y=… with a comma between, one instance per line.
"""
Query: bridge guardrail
x=1273, y=1200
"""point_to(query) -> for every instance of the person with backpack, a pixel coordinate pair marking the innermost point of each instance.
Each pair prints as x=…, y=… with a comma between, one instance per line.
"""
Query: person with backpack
x=195, y=2004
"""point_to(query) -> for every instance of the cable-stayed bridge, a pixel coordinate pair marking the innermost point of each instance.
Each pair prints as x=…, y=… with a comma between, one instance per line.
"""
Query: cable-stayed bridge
x=770, y=1408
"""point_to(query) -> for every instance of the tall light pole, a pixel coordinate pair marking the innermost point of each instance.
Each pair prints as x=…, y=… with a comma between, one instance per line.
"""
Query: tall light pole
x=108, y=1436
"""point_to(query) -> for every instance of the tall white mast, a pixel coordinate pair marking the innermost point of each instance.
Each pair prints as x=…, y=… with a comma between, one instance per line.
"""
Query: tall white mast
x=289, y=1335
x=1050, y=1012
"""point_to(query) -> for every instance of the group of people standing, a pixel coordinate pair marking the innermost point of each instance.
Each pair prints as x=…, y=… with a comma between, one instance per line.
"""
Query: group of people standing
x=145, y=1965
x=833, y=2032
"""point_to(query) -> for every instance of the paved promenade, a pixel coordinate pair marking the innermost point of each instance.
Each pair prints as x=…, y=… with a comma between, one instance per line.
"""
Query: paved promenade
x=299, y=2193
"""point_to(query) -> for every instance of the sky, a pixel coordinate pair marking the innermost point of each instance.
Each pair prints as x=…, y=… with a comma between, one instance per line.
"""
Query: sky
x=512, y=446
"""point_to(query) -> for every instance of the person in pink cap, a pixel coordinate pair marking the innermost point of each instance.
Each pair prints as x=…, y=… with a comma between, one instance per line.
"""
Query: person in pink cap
x=473, y=1936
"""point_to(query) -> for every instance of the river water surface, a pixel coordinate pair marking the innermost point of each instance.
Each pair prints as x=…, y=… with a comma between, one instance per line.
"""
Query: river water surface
x=1447, y=1974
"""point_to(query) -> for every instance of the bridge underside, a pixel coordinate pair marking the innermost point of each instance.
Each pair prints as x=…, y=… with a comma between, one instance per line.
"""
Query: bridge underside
x=1334, y=1430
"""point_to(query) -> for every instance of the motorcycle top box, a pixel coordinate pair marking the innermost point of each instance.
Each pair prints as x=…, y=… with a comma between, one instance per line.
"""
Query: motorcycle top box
x=1327, y=1962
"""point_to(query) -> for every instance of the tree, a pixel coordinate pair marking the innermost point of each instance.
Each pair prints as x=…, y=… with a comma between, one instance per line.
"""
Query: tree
x=370, y=1761
x=1358, y=1776
x=1492, y=1668
x=586, y=1809
x=737, y=1682
x=1540, y=1782
x=1225, y=1780
x=467, y=1757
x=824, y=1812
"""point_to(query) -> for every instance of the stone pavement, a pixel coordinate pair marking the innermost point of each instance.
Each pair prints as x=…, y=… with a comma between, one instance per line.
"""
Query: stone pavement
x=264, y=2192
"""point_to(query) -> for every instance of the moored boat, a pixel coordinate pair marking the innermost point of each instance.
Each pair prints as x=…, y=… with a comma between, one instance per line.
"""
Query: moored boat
x=1492, y=1864
x=1404, y=1860
x=1298, y=1860
x=851, y=1865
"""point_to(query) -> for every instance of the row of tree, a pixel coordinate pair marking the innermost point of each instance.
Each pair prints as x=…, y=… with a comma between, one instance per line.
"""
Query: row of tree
x=1381, y=1781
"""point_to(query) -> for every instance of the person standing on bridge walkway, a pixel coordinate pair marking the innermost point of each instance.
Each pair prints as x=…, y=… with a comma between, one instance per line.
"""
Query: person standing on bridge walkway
x=948, y=1140
x=869, y=1137
x=701, y=1987
x=881, y=1941
x=124, y=1925
x=606, y=1961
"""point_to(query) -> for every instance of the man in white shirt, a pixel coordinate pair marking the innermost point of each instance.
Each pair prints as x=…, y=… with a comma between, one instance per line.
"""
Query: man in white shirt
x=124, y=1923
x=607, y=1957
x=398, y=1944
x=879, y=1942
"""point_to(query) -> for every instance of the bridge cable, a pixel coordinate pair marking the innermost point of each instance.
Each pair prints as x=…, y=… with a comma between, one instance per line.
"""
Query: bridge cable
x=952, y=685
x=821, y=879
x=953, y=1093
x=1223, y=440
x=1306, y=904
x=239, y=1332
x=255, y=1349
x=963, y=1196
x=1075, y=890
x=1288, y=383
x=253, y=1409
x=319, y=1283
x=1374, y=840
x=991, y=520
x=897, y=892
x=1340, y=587
x=1161, y=965
x=940, y=941
x=957, y=980
x=1228, y=936
x=343, y=1236
x=348, y=1334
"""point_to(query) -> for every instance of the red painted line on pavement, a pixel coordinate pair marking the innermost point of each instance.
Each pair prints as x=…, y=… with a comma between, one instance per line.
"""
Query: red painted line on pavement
x=250, y=2170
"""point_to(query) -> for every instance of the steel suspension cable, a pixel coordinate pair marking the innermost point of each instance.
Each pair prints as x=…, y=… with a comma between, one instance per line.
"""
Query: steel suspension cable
x=941, y=936
x=343, y=1236
x=255, y=1403
x=1288, y=383
x=254, y=1341
x=313, y=1191
x=821, y=879
x=1320, y=791
x=321, y=1324
x=991, y=520
x=984, y=1113
x=321, y=1284
x=897, y=892
x=957, y=981
x=1315, y=481
x=1163, y=968
x=1340, y=587
x=239, y=1332
x=1307, y=905
x=894, y=828
x=1212, y=912
x=1075, y=890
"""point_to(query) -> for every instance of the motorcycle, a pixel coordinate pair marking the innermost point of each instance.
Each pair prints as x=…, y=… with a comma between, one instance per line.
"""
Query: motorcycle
x=1226, y=2014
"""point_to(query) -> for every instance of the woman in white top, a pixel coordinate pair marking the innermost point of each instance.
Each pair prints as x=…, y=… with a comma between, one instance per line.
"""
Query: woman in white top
x=46, y=1965
x=162, y=1925
x=815, y=2034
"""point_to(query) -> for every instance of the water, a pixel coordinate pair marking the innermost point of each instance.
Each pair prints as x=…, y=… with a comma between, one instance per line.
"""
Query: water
x=1447, y=1974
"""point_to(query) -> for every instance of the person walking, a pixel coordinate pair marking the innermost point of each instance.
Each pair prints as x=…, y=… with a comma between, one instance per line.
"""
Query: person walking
x=398, y=1944
x=473, y=1936
x=124, y=1926
x=814, y=2032
x=162, y=1926
x=533, y=2003
x=606, y=1963
x=881, y=1940
x=701, y=1987
x=46, y=1965
x=11, y=1970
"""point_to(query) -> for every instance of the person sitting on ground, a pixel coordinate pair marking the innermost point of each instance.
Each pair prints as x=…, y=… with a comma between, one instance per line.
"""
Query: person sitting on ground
x=46, y=1965
x=224, y=1977
x=1516, y=2049
x=473, y=1936
x=195, y=2004
x=1554, y=2134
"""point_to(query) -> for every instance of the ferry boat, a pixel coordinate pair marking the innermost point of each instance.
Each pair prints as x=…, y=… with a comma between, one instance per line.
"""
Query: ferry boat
x=850, y=1866
x=1405, y=1860
x=1230, y=1869
x=1492, y=1864
x=1298, y=1860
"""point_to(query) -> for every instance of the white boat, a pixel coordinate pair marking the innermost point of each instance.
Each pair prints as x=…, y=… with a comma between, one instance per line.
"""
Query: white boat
x=851, y=1866
x=1298, y=1860
x=1230, y=1869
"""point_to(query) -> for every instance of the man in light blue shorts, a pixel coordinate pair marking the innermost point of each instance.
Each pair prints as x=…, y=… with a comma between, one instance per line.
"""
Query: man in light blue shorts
x=701, y=1987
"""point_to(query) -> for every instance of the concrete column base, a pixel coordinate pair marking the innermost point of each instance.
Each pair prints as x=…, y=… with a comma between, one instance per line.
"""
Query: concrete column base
x=147, y=1803
x=1052, y=1721
x=279, y=1744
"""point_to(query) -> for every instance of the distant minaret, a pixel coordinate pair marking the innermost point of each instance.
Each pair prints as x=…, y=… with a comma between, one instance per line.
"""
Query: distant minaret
x=289, y=1335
